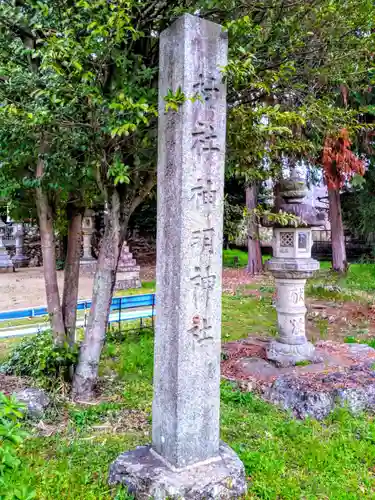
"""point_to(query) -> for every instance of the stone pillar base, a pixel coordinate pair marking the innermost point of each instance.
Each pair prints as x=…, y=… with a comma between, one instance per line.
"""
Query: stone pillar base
x=285, y=355
x=127, y=284
x=88, y=266
x=147, y=475
x=20, y=261
x=128, y=279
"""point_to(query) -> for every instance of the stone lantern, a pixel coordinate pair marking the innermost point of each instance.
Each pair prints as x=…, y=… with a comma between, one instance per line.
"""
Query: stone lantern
x=291, y=266
x=6, y=264
x=88, y=263
x=19, y=260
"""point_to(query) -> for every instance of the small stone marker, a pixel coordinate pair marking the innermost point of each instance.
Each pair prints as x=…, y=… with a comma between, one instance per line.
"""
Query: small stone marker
x=127, y=270
x=186, y=459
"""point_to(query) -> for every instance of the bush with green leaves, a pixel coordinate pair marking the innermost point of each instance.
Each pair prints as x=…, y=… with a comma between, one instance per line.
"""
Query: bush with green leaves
x=11, y=436
x=37, y=357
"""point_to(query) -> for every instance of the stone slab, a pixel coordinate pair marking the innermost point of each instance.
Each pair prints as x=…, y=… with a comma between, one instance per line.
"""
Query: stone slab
x=127, y=283
x=20, y=261
x=146, y=475
x=88, y=266
x=343, y=378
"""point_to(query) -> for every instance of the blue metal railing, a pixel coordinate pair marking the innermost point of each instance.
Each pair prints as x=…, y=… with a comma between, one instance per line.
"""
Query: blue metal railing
x=122, y=303
x=125, y=308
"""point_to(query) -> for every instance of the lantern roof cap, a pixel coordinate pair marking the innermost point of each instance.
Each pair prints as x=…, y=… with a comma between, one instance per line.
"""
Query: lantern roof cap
x=293, y=191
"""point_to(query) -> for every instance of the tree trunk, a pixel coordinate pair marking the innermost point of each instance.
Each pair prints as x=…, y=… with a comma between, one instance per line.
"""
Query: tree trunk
x=277, y=197
x=254, y=263
x=87, y=370
x=49, y=254
x=71, y=272
x=339, y=262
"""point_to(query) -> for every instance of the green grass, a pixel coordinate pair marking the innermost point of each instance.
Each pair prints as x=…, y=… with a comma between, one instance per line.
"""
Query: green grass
x=6, y=346
x=231, y=256
x=147, y=287
x=244, y=315
x=72, y=467
x=284, y=458
x=360, y=277
x=237, y=258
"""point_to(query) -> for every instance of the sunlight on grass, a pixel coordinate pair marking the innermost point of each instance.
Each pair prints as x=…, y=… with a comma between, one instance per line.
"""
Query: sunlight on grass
x=237, y=258
x=247, y=315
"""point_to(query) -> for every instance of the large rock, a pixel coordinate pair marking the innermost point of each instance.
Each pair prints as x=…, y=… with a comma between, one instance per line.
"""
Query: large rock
x=36, y=400
x=318, y=396
x=344, y=378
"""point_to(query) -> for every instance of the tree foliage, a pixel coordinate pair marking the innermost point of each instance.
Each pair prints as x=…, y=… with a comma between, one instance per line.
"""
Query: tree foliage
x=78, y=94
x=340, y=164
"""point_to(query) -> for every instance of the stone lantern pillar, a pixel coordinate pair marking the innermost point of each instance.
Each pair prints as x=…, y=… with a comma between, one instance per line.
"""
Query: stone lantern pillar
x=291, y=266
x=19, y=260
x=6, y=264
x=88, y=263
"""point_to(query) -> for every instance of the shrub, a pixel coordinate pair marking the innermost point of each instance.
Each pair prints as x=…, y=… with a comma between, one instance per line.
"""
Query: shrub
x=37, y=357
x=11, y=436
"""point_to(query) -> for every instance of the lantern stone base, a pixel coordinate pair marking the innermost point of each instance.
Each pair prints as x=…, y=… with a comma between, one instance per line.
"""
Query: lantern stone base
x=285, y=355
x=147, y=475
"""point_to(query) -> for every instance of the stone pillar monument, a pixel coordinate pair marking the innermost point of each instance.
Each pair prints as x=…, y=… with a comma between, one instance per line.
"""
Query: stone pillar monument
x=187, y=459
x=88, y=263
x=6, y=264
x=19, y=260
x=291, y=265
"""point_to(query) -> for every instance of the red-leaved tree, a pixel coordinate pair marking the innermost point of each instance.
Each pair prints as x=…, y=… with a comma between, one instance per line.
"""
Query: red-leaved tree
x=340, y=164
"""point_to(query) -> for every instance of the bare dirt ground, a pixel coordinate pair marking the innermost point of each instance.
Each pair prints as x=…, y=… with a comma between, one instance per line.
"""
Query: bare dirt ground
x=25, y=287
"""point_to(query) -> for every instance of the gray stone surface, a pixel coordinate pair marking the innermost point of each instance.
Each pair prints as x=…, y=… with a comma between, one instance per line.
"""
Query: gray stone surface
x=36, y=401
x=127, y=271
x=146, y=475
x=287, y=393
x=292, y=268
x=289, y=354
x=20, y=259
x=189, y=243
x=6, y=265
x=255, y=367
x=290, y=392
